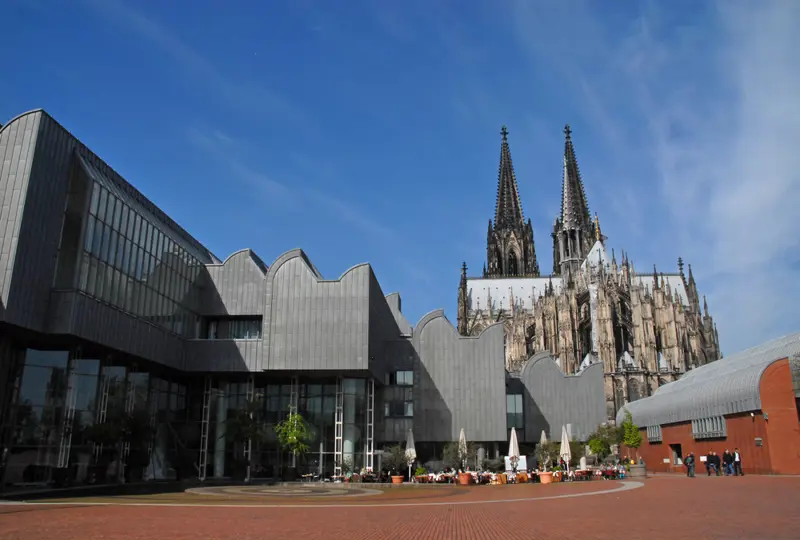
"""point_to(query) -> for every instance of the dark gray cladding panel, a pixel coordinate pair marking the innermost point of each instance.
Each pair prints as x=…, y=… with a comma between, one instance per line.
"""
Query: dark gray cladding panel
x=42, y=223
x=313, y=324
x=382, y=329
x=395, y=305
x=79, y=315
x=235, y=287
x=222, y=355
x=35, y=178
x=459, y=382
x=552, y=399
x=17, y=146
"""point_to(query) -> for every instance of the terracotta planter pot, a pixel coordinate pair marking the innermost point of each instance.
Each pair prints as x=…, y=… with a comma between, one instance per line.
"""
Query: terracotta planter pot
x=464, y=479
x=546, y=477
x=397, y=479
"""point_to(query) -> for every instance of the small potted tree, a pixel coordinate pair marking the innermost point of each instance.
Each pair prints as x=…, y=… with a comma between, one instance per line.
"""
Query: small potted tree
x=545, y=453
x=293, y=435
x=347, y=469
x=394, y=460
x=458, y=457
x=632, y=438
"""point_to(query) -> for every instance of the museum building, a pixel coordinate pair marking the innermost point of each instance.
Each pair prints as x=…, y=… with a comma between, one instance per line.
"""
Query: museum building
x=750, y=402
x=109, y=309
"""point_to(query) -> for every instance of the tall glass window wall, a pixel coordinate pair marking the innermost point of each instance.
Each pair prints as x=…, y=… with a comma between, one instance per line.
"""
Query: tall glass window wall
x=131, y=264
x=60, y=402
x=398, y=405
x=63, y=402
x=515, y=417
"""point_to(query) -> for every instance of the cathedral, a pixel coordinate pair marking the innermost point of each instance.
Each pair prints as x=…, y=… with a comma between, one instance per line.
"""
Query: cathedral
x=647, y=328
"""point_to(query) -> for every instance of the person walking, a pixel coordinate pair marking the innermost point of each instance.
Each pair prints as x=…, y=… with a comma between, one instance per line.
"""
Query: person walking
x=689, y=462
x=737, y=463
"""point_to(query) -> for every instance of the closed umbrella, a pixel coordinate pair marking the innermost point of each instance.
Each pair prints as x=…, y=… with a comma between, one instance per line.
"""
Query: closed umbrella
x=542, y=442
x=566, y=453
x=513, y=449
x=462, y=449
x=411, y=452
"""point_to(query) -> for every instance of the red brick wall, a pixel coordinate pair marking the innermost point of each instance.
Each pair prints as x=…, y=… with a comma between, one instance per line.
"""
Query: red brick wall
x=742, y=431
x=780, y=434
x=783, y=425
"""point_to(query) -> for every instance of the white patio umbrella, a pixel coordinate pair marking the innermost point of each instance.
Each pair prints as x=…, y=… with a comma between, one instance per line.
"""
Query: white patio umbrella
x=566, y=453
x=542, y=442
x=411, y=452
x=462, y=448
x=513, y=449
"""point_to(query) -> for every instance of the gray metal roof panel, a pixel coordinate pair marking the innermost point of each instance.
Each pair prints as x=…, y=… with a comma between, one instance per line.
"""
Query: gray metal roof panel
x=727, y=386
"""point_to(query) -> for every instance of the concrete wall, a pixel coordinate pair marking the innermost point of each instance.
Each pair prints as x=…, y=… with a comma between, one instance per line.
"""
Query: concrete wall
x=459, y=382
x=552, y=399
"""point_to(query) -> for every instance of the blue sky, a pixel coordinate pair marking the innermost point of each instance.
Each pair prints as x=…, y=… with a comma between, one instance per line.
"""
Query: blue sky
x=368, y=130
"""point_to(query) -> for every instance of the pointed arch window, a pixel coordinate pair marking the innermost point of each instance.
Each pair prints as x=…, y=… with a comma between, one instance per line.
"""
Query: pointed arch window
x=513, y=264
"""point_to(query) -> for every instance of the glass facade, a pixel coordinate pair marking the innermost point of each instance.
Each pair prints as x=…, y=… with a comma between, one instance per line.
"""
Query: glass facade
x=130, y=263
x=398, y=405
x=64, y=401
x=515, y=417
x=233, y=328
x=66, y=406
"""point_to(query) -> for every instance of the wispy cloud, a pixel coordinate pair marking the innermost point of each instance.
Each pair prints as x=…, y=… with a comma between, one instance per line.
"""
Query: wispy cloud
x=712, y=116
x=245, y=95
x=227, y=150
x=224, y=149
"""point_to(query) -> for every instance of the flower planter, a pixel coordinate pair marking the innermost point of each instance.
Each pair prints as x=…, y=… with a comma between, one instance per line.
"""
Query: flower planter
x=464, y=479
x=637, y=471
x=397, y=479
x=546, y=477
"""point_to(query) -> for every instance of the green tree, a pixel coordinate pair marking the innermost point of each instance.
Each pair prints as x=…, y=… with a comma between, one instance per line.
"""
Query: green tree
x=547, y=452
x=453, y=459
x=577, y=450
x=604, y=437
x=394, y=459
x=632, y=437
x=294, y=434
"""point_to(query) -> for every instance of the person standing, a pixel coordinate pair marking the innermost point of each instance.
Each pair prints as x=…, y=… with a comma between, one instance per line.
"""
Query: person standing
x=689, y=462
x=717, y=462
x=727, y=462
x=737, y=463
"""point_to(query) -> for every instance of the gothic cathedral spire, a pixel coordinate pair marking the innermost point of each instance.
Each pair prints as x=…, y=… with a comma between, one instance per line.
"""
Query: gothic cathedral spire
x=574, y=232
x=510, y=249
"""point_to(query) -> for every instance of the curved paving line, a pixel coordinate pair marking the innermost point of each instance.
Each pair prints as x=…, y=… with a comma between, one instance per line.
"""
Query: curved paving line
x=253, y=492
x=624, y=486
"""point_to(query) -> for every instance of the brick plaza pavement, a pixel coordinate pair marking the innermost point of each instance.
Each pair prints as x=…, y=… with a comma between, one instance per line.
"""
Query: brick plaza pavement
x=669, y=507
